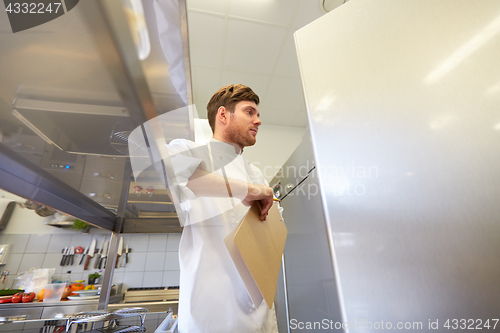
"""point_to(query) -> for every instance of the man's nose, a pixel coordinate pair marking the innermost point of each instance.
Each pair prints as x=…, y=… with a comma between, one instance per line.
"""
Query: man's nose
x=257, y=121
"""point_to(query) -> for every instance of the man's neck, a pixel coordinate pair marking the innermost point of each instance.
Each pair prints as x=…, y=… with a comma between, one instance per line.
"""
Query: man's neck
x=238, y=149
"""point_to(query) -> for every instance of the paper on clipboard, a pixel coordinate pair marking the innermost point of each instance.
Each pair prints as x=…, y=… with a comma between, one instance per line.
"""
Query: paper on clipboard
x=256, y=248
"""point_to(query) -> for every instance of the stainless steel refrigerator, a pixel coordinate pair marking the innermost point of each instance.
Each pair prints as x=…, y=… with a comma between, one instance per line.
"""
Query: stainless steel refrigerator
x=403, y=102
x=306, y=287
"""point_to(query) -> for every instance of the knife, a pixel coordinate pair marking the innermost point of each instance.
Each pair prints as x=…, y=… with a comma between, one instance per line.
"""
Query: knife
x=71, y=255
x=90, y=253
x=83, y=254
x=65, y=252
x=124, y=262
x=98, y=257
x=120, y=249
x=104, y=256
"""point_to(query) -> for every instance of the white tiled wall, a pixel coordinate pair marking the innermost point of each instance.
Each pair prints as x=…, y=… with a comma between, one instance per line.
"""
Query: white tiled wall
x=153, y=261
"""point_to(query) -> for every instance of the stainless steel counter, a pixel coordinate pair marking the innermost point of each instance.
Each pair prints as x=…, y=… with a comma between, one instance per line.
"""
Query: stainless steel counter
x=35, y=311
x=56, y=310
x=151, y=306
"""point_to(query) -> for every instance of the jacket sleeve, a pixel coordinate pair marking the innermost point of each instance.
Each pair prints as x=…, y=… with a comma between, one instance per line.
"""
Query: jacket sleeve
x=181, y=163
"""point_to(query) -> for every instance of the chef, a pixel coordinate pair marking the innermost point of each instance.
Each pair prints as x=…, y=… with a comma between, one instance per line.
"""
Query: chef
x=215, y=186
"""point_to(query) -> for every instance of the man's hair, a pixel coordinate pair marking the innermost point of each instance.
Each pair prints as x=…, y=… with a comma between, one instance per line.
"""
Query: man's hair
x=228, y=97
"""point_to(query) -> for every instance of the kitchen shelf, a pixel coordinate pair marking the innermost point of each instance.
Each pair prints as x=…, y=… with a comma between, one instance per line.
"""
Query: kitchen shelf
x=162, y=306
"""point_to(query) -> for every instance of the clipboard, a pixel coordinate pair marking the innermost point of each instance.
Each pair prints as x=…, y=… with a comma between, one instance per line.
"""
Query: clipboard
x=256, y=248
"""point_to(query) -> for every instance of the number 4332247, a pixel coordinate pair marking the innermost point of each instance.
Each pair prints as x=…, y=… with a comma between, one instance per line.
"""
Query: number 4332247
x=469, y=324
x=33, y=8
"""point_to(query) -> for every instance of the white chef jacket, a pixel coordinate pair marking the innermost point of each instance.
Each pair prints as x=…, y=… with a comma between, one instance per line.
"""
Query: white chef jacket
x=213, y=297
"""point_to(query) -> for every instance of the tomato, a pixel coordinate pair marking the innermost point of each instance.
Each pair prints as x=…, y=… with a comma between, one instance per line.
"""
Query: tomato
x=29, y=297
x=77, y=286
x=17, y=298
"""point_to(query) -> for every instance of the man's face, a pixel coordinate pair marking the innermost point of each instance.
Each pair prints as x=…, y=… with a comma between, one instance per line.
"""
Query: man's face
x=243, y=124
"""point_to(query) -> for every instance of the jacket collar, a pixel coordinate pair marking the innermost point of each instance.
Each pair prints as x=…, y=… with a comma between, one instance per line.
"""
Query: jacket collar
x=228, y=147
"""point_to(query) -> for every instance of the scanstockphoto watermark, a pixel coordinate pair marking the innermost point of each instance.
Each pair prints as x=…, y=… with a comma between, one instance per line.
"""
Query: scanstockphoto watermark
x=328, y=324
x=437, y=324
x=337, y=180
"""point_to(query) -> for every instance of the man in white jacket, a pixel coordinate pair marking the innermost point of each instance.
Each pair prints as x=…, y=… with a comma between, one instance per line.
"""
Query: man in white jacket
x=215, y=187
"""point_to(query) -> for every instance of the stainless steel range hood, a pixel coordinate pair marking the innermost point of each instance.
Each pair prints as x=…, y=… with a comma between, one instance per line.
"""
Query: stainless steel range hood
x=73, y=88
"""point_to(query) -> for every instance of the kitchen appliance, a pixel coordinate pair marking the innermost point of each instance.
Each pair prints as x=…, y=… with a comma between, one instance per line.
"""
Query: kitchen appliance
x=72, y=80
x=406, y=163
x=306, y=285
x=71, y=127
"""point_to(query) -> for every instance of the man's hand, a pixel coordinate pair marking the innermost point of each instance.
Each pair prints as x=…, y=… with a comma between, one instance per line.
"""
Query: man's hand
x=262, y=193
x=204, y=183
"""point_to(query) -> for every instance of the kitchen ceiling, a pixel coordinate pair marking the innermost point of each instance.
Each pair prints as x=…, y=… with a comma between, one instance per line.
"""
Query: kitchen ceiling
x=250, y=42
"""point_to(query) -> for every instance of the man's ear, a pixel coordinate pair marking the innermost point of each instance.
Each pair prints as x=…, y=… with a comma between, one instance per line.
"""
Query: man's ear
x=223, y=115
